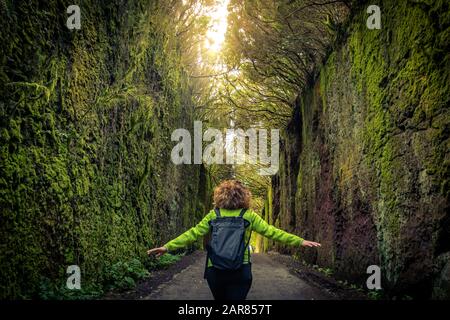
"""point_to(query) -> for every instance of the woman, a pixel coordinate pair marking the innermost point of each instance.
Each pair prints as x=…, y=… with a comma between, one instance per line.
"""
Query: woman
x=231, y=197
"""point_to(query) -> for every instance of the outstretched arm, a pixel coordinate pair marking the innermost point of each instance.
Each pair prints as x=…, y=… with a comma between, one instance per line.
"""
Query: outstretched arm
x=184, y=239
x=271, y=232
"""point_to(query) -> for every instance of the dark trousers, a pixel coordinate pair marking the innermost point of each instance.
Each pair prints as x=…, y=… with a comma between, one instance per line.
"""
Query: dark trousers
x=229, y=285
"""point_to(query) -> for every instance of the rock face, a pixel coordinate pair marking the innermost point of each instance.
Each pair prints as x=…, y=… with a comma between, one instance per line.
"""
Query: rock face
x=365, y=160
x=86, y=119
x=442, y=280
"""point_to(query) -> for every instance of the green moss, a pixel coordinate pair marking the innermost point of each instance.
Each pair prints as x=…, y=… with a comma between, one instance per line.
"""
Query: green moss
x=85, y=127
x=375, y=131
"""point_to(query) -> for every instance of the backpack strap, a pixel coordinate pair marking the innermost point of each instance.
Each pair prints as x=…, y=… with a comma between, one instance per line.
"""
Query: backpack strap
x=207, y=260
x=248, y=241
x=248, y=247
x=208, y=248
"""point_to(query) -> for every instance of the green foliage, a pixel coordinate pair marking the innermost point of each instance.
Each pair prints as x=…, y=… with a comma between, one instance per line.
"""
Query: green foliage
x=162, y=262
x=48, y=290
x=327, y=271
x=375, y=295
x=276, y=45
x=123, y=275
x=120, y=276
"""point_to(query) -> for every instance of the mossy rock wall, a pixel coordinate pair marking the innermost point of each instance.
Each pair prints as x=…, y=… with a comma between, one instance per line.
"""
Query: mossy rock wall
x=85, y=123
x=365, y=161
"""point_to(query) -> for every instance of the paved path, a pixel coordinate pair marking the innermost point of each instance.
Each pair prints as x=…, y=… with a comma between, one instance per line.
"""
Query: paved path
x=271, y=281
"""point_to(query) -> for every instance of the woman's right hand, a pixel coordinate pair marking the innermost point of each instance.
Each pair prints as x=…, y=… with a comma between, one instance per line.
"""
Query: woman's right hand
x=307, y=243
x=157, y=251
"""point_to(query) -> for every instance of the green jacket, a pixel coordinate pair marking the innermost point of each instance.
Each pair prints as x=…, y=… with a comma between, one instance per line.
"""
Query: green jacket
x=256, y=224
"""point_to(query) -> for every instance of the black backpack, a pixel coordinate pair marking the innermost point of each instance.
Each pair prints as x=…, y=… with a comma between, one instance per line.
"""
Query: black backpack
x=227, y=245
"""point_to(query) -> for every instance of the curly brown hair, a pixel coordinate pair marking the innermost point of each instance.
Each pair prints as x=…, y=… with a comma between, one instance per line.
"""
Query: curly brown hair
x=232, y=194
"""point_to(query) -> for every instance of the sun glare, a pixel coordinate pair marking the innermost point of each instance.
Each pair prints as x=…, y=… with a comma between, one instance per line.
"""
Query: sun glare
x=215, y=36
